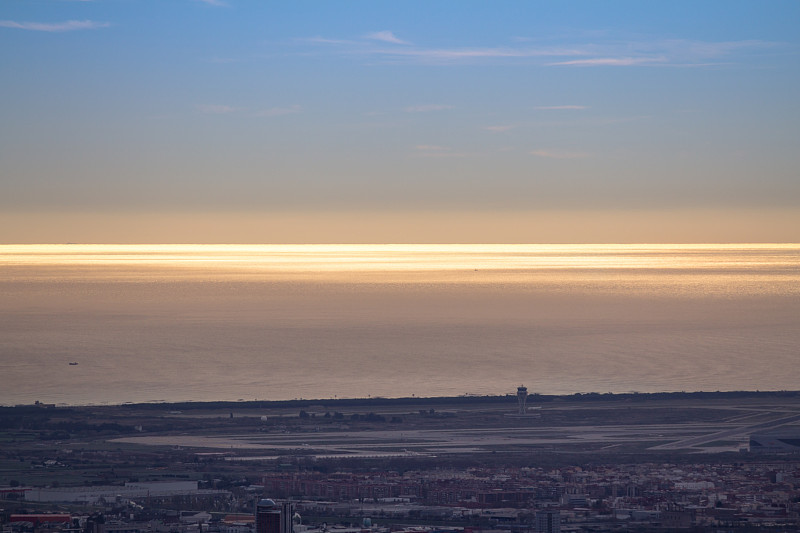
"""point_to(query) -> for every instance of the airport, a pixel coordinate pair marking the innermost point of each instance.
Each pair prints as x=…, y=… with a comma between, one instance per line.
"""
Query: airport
x=521, y=462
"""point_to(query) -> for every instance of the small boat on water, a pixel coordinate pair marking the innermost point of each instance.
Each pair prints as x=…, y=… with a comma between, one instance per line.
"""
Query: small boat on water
x=73, y=363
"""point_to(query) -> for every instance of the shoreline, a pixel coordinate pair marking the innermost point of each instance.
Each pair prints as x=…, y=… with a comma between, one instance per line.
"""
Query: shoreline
x=533, y=398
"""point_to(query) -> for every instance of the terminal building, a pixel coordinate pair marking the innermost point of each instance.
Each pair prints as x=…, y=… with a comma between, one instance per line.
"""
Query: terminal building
x=110, y=493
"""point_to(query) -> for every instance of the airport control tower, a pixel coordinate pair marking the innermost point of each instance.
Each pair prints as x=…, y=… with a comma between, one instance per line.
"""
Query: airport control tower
x=522, y=397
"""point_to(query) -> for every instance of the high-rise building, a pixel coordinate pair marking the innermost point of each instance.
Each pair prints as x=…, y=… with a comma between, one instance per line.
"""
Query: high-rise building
x=273, y=517
x=548, y=522
x=95, y=523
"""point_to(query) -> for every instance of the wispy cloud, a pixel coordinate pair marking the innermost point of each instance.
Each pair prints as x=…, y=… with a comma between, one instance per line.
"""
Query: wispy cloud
x=70, y=25
x=686, y=48
x=386, y=37
x=560, y=107
x=663, y=52
x=436, y=151
x=431, y=148
x=325, y=40
x=599, y=53
x=454, y=54
x=427, y=107
x=218, y=3
x=214, y=109
x=279, y=111
x=611, y=62
x=558, y=154
x=499, y=129
x=222, y=60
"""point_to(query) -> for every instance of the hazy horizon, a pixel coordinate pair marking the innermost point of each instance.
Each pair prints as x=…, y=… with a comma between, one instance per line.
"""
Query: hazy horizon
x=674, y=227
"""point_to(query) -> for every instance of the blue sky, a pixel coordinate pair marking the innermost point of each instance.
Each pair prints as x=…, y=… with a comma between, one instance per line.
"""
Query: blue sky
x=399, y=121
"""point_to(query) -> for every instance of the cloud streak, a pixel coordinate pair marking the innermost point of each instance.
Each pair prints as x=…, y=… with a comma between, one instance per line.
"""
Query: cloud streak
x=499, y=128
x=217, y=109
x=560, y=107
x=386, y=37
x=324, y=40
x=453, y=54
x=54, y=27
x=280, y=111
x=558, y=154
x=611, y=62
x=212, y=109
x=632, y=53
x=436, y=151
x=431, y=148
x=426, y=108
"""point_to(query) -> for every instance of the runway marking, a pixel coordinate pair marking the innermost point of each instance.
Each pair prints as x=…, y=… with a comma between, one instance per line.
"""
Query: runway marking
x=694, y=441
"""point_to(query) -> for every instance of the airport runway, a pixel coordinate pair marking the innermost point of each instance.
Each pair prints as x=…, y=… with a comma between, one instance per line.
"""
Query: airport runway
x=733, y=432
x=538, y=436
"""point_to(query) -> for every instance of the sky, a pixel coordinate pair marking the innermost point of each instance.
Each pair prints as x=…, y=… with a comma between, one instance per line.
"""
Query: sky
x=234, y=121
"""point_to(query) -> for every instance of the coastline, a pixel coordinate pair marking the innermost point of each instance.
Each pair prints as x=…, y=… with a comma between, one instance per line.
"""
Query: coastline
x=463, y=400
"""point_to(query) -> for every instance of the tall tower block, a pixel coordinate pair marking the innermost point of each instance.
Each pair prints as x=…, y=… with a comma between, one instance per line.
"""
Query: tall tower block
x=522, y=398
x=272, y=517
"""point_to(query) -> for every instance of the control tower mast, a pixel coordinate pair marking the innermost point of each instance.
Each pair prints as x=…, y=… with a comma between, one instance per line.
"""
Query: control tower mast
x=522, y=397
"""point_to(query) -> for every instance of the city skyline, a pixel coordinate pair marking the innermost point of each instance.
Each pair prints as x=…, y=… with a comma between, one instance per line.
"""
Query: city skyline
x=229, y=121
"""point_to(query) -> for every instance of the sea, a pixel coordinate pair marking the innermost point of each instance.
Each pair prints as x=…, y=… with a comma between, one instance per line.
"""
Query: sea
x=111, y=324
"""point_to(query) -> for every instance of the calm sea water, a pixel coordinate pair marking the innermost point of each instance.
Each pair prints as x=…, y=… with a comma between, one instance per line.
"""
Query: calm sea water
x=175, y=323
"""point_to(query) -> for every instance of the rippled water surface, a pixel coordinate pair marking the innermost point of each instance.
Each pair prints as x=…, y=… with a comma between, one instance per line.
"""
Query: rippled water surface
x=150, y=323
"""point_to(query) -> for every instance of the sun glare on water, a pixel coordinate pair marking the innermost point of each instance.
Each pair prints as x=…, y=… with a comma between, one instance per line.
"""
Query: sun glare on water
x=335, y=257
x=703, y=269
